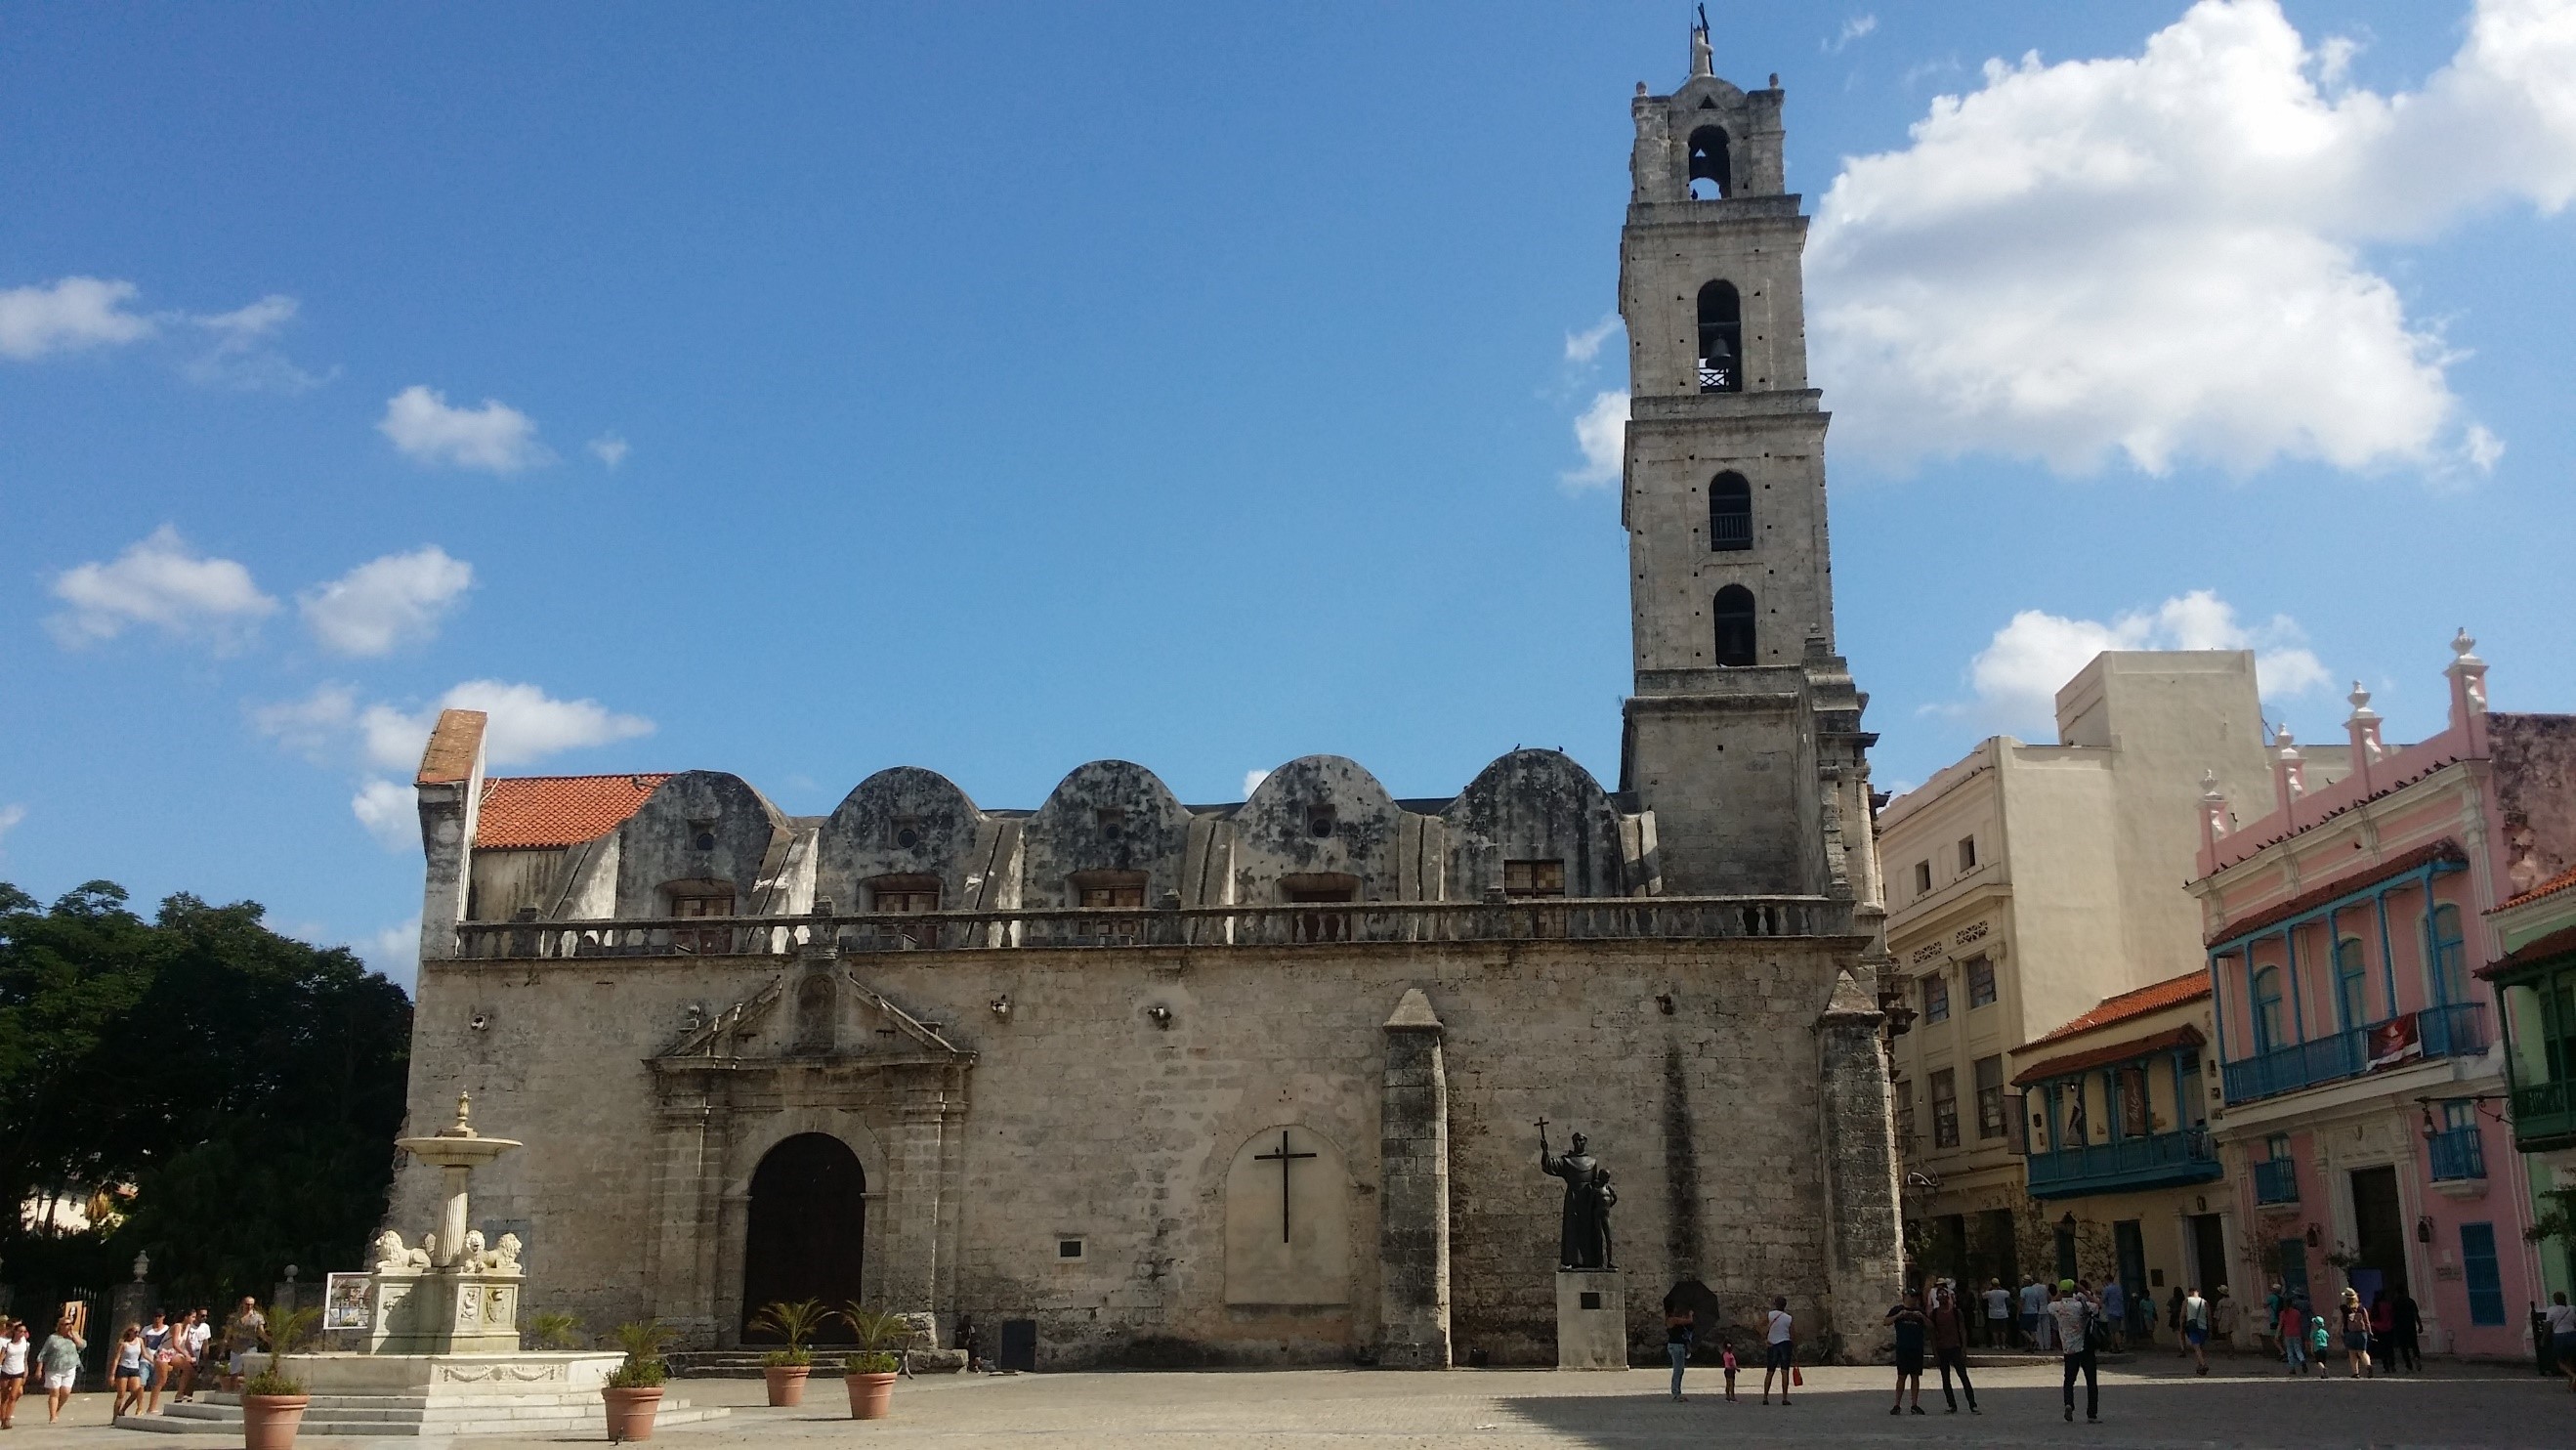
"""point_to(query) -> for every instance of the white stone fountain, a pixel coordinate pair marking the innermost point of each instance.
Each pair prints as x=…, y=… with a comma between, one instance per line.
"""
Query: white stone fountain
x=443, y=1355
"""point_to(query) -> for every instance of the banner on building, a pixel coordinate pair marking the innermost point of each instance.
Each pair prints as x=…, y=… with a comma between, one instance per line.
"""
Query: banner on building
x=2394, y=1041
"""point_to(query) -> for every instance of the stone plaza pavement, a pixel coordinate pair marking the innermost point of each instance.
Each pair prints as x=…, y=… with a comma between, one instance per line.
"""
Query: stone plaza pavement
x=2144, y=1405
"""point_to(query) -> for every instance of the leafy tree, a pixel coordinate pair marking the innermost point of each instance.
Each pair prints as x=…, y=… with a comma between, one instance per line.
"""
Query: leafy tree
x=245, y=1085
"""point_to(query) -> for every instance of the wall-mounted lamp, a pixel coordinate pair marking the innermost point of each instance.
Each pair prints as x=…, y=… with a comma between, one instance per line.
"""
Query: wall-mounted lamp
x=1001, y=1006
x=1664, y=1003
x=1161, y=1015
x=2314, y=1237
x=479, y=1021
x=2424, y=1228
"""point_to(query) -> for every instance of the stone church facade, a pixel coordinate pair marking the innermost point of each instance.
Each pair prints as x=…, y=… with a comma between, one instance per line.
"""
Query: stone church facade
x=1127, y=1079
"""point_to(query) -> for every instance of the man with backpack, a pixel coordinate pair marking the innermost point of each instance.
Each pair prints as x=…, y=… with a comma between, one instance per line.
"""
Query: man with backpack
x=2078, y=1320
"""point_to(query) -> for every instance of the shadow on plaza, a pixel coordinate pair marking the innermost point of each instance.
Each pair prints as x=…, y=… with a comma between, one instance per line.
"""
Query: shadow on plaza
x=2467, y=1409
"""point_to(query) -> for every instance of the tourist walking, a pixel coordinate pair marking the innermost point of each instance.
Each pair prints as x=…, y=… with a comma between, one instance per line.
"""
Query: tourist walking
x=1907, y=1319
x=2293, y=1330
x=1999, y=1312
x=194, y=1335
x=2355, y=1325
x=14, y=1350
x=2115, y=1311
x=2383, y=1328
x=125, y=1372
x=2562, y=1335
x=2406, y=1331
x=59, y=1360
x=1950, y=1347
x=2073, y=1316
x=1778, y=1349
x=2173, y=1320
x=1677, y=1344
x=2222, y=1316
x=160, y=1359
x=2034, y=1304
x=2269, y=1331
x=2320, y=1341
x=242, y=1335
x=1726, y=1358
x=2192, y=1317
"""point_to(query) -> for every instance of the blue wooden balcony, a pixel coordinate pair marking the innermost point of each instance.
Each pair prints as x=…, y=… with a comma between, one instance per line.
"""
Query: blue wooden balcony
x=2277, y=1181
x=2544, y=1116
x=2157, y=1160
x=2458, y=1155
x=2458, y=1030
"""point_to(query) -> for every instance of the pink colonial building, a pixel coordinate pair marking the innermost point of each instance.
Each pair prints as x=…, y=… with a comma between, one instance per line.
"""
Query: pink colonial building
x=2361, y=1093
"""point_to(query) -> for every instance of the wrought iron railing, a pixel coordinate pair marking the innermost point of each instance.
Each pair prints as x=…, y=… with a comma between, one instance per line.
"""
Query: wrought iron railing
x=2543, y=1113
x=1716, y=380
x=2130, y=1162
x=2458, y=1030
x=2277, y=1181
x=1650, y=918
x=2457, y=1155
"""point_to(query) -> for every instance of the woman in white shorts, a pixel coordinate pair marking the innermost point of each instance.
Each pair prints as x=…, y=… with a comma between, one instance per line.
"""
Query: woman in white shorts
x=14, y=1350
x=60, y=1360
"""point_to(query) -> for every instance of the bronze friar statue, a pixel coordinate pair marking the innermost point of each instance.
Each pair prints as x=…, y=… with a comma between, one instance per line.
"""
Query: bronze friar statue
x=1583, y=1241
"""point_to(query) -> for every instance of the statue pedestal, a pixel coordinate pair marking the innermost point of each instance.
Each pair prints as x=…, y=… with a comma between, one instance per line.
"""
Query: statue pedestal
x=1591, y=1319
x=443, y=1312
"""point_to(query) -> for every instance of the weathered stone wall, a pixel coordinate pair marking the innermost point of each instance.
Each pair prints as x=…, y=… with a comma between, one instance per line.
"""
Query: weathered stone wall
x=1085, y=1119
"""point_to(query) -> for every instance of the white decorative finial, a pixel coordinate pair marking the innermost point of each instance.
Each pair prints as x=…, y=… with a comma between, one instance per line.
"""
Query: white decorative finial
x=2285, y=742
x=2461, y=644
x=2360, y=698
x=2209, y=790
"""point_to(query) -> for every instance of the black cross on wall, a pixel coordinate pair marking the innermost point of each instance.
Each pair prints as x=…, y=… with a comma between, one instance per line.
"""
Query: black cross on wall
x=1284, y=1157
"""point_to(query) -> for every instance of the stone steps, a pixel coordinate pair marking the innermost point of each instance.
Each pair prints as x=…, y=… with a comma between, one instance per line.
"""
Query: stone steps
x=414, y=1415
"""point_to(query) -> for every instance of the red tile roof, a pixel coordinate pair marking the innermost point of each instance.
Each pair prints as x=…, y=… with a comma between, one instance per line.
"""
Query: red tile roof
x=2075, y=1062
x=528, y=811
x=2445, y=849
x=2550, y=887
x=453, y=744
x=2557, y=944
x=2129, y=1005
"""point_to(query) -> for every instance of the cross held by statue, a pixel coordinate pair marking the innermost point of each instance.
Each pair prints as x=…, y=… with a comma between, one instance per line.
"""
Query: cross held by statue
x=1284, y=1157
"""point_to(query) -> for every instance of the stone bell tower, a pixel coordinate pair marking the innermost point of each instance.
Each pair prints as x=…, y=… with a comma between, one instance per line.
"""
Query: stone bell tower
x=1743, y=733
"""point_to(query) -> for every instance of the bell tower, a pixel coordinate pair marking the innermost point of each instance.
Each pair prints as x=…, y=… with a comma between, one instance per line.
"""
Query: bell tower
x=1743, y=732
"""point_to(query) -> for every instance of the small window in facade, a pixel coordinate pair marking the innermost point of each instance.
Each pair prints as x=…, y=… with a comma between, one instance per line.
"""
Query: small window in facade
x=1319, y=821
x=701, y=903
x=1945, y=1109
x=1534, y=878
x=1112, y=820
x=1730, y=513
x=1109, y=888
x=697, y=903
x=2267, y=1009
x=1990, y=1096
x=1922, y=877
x=1068, y=1248
x=1967, y=853
x=1904, y=1114
x=2352, y=983
x=1981, y=983
x=1709, y=166
x=1734, y=617
x=905, y=831
x=1936, y=998
x=2450, y=958
x=903, y=895
x=702, y=835
x=1721, y=339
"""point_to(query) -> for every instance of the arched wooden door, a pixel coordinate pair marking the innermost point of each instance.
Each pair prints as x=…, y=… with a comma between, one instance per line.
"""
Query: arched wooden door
x=806, y=1230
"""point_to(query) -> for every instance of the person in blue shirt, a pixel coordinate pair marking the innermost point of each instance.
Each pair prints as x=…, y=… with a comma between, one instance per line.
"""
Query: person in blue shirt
x=1907, y=1318
x=2115, y=1311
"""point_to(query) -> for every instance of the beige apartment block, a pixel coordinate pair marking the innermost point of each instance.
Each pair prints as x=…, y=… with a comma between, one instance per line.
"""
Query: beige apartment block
x=2026, y=884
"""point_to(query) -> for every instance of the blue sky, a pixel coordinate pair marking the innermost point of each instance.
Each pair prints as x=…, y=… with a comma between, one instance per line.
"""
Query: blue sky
x=804, y=390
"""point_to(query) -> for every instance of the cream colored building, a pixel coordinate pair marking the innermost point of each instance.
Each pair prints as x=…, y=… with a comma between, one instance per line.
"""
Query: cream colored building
x=2026, y=884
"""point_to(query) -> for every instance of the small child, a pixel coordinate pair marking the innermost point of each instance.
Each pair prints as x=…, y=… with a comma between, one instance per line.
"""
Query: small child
x=1726, y=1356
x=2318, y=1341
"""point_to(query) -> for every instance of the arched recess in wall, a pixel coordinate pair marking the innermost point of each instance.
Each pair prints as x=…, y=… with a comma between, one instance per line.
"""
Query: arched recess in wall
x=805, y=1231
x=1287, y=1220
x=1730, y=513
x=1735, y=633
x=1721, y=339
x=1710, y=176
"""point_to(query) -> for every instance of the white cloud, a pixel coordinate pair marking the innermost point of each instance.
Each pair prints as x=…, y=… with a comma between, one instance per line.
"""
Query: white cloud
x=2016, y=677
x=1856, y=28
x=1584, y=346
x=1602, y=433
x=244, y=355
x=1252, y=780
x=386, y=602
x=527, y=725
x=159, y=582
x=2156, y=257
x=395, y=951
x=75, y=312
x=10, y=816
x=496, y=438
x=390, y=813
x=609, y=449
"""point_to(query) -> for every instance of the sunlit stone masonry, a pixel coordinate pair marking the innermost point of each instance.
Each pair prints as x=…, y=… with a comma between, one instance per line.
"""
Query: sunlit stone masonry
x=1126, y=1078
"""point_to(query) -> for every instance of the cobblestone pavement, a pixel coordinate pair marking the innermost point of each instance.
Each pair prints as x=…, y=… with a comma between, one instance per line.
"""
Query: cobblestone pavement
x=2147, y=1405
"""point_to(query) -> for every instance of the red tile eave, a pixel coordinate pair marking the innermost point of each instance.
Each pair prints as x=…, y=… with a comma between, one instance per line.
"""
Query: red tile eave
x=2445, y=849
x=2073, y=1062
x=534, y=812
x=2551, y=887
x=2131, y=1005
x=2558, y=943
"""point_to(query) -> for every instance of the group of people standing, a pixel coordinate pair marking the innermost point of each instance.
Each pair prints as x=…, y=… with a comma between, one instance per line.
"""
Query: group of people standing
x=2384, y=1336
x=149, y=1359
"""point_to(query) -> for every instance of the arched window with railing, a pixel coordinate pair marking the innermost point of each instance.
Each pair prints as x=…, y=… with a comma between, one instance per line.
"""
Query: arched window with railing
x=2267, y=1010
x=1734, y=614
x=2450, y=958
x=1709, y=175
x=1721, y=339
x=2352, y=983
x=1730, y=512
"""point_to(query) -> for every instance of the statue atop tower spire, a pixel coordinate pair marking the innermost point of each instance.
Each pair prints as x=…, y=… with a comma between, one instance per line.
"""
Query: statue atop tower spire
x=1703, y=62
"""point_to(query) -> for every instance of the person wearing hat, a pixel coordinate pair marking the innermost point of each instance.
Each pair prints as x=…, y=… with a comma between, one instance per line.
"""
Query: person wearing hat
x=2072, y=1314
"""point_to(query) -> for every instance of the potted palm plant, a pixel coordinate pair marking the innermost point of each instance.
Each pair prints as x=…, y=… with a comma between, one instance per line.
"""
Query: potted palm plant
x=872, y=1368
x=554, y=1330
x=274, y=1401
x=634, y=1389
x=786, y=1369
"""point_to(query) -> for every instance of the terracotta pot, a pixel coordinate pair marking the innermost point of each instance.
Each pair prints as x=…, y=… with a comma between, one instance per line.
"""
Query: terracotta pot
x=269, y=1421
x=786, y=1384
x=630, y=1412
x=871, y=1395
